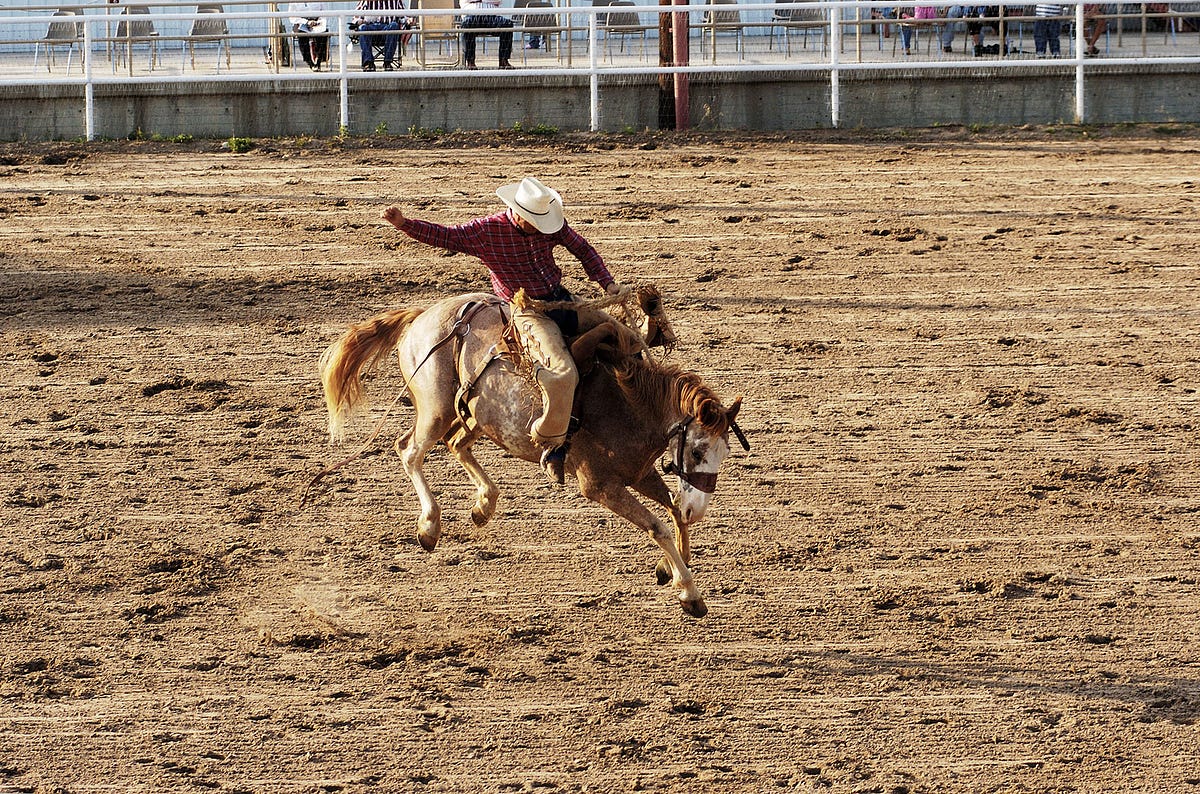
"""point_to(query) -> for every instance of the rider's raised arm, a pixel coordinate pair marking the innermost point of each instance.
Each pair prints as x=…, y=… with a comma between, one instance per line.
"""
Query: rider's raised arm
x=466, y=238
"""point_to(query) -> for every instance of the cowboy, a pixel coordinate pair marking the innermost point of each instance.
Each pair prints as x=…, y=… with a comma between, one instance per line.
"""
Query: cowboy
x=517, y=247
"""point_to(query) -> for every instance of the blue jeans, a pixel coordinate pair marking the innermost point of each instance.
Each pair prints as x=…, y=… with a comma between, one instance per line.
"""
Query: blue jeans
x=390, y=41
x=487, y=21
x=1047, y=31
x=951, y=28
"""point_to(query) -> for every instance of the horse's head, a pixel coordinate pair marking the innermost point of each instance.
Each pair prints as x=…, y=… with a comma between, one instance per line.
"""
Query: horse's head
x=698, y=445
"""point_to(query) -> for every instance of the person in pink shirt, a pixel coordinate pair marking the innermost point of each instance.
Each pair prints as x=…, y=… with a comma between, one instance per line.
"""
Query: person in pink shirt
x=920, y=13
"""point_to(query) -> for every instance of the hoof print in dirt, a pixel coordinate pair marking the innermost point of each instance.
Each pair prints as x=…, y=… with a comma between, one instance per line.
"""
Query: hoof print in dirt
x=173, y=383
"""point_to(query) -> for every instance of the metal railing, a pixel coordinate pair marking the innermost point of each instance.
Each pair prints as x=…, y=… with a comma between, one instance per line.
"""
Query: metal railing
x=850, y=36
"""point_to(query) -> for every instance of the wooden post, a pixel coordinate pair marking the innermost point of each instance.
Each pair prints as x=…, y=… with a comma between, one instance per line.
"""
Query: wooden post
x=281, y=45
x=666, y=85
x=680, y=40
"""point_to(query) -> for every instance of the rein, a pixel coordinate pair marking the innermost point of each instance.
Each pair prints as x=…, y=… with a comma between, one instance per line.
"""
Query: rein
x=741, y=437
x=362, y=450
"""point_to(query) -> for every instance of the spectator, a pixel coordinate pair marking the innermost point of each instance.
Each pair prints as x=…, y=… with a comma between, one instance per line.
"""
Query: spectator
x=975, y=16
x=1046, y=29
x=380, y=15
x=978, y=18
x=950, y=29
x=533, y=41
x=984, y=17
x=1094, y=26
x=474, y=19
x=922, y=15
x=310, y=30
x=887, y=12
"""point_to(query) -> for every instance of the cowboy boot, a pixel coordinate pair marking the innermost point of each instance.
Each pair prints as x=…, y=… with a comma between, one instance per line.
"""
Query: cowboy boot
x=554, y=458
x=553, y=463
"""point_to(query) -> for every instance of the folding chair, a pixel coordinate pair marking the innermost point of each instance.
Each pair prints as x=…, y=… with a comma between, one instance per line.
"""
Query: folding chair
x=208, y=28
x=547, y=27
x=61, y=33
x=622, y=25
x=438, y=28
x=718, y=19
x=803, y=20
x=377, y=41
x=132, y=32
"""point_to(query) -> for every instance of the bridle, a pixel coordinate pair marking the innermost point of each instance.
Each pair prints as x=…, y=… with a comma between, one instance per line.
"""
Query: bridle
x=703, y=481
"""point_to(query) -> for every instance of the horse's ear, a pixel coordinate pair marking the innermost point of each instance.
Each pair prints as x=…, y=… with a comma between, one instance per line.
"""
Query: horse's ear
x=732, y=411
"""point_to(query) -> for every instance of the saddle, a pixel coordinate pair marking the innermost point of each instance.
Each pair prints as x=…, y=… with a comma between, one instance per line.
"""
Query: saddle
x=508, y=346
x=585, y=349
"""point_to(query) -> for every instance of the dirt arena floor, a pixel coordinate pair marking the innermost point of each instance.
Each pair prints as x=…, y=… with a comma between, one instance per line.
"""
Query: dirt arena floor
x=962, y=554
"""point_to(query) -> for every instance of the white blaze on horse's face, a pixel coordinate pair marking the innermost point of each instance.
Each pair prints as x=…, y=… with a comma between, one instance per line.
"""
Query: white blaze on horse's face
x=701, y=456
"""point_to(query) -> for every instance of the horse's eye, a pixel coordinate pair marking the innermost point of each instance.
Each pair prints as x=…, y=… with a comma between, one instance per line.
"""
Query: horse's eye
x=697, y=454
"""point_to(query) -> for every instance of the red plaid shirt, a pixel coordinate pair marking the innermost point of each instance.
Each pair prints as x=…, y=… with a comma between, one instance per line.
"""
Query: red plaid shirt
x=514, y=259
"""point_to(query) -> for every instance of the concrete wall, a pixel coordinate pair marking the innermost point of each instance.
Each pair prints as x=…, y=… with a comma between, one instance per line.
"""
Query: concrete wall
x=763, y=101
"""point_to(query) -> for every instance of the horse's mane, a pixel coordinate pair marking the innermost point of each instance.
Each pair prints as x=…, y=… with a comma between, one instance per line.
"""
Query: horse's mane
x=659, y=386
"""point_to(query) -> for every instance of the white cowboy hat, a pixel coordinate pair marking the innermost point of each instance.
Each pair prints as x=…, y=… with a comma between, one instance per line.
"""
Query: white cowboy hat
x=534, y=202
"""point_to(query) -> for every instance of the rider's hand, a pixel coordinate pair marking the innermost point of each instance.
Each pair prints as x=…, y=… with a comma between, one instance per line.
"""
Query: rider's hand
x=614, y=288
x=393, y=215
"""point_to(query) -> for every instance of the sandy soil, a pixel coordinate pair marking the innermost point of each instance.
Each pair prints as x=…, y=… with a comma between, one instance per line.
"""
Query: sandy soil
x=961, y=556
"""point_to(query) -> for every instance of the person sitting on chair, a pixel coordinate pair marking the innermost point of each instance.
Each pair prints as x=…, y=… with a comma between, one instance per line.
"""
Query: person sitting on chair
x=517, y=247
x=980, y=17
x=381, y=16
x=475, y=19
x=310, y=29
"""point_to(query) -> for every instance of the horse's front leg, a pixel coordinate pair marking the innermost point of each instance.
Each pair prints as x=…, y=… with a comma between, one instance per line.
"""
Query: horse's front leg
x=653, y=487
x=618, y=499
x=459, y=442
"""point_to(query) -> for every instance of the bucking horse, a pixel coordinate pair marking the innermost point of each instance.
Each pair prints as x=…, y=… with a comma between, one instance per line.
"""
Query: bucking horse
x=465, y=378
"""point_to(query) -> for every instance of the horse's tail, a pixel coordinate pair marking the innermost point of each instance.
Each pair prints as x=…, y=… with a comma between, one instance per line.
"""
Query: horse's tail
x=357, y=353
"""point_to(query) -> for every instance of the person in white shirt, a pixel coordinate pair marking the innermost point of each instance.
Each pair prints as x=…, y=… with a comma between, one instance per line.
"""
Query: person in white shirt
x=479, y=15
x=312, y=36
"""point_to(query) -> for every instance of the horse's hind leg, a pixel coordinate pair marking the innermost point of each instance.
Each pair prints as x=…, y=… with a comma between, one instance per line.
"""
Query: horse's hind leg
x=652, y=487
x=412, y=448
x=618, y=499
x=459, y=441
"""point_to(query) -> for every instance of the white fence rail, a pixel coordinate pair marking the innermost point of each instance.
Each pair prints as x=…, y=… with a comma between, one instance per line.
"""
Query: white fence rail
x=742, y=37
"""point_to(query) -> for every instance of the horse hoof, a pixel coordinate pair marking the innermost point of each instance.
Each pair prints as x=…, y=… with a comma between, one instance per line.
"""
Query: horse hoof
x=662, y=573
x=696, y=609
x=427, y=540
x=479, y=517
